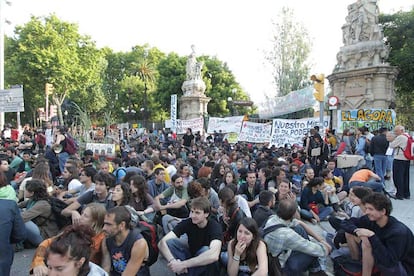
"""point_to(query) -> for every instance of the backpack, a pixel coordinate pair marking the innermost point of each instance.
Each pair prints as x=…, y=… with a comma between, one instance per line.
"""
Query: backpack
x=57, y=206
x=150, y=231
x=409, y=149
x=151, y=234
x=71, y=146
x=274, y=269
x=345, y=266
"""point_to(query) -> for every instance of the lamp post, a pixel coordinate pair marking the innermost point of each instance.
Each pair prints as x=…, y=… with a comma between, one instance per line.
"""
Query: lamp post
x=230, y=104
x=145, y=91
x=2, y=22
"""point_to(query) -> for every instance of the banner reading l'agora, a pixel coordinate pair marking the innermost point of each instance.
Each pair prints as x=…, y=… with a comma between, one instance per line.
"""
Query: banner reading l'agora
x=373, y=118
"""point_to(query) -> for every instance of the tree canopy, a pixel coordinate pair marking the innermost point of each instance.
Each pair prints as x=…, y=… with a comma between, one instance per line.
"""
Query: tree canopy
x=48, y=50
x=399, y=34
x=289, y=54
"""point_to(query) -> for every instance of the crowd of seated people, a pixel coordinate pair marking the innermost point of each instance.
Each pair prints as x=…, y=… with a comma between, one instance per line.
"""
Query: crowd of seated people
x=212, y=201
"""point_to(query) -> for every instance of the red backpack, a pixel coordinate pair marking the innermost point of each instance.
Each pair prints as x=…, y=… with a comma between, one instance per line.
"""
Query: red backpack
x=409, y=149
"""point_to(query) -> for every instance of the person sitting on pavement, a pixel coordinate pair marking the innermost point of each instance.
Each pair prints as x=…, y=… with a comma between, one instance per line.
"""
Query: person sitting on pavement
x=93, y=216
x=314, y=205
x=103, y=182
x=291, y=243
x=70, y=252
x=200, y=254
x=124, y=250
x=264, y=210
x=247, y=252
x=37, y=213
x=386, y=243
x=363, y=177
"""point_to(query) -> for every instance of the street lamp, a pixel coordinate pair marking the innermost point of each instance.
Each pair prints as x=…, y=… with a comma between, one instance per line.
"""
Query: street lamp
x=145, y=91
x=230, y=104
x=2, y=21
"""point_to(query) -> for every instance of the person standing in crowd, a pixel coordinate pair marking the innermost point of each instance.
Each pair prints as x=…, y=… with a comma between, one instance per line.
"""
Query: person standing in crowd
x=400, y=165
x=12, y=231
x=378, y=148
x=59, y=146
x=188, y=138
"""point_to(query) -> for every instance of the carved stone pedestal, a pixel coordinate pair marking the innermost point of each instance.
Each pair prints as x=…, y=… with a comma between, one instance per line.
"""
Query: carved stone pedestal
x=370, y=87
x=193, y=106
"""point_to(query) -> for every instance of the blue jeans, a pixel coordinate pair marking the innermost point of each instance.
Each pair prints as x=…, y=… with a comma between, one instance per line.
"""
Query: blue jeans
x=324, y=212
x=380, y=163
x=299, y=262
x=375, y=186
x=63, y=157
x=33, y=233
x=179, y=249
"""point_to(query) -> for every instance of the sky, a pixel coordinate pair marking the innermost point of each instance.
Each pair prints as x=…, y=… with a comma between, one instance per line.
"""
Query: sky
x=238, y=32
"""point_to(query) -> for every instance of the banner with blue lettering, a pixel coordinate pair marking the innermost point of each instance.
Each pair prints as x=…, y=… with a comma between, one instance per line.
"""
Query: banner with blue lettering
x=293, y=131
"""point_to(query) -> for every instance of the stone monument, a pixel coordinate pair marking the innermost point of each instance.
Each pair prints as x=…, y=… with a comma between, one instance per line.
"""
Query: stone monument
x=362, y=78
x=193, y=103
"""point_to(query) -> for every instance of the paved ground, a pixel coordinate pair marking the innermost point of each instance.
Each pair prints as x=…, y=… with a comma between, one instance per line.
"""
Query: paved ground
x=401, y=210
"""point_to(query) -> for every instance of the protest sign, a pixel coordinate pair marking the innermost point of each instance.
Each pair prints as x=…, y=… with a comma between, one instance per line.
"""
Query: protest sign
x=255, y=132
x=196, y=124
x=293, y=131
x=373, y=118
x=226, y=125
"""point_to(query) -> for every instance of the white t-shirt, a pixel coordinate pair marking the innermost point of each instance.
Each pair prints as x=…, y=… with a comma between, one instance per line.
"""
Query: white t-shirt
x=74, y=184
x=244, y=206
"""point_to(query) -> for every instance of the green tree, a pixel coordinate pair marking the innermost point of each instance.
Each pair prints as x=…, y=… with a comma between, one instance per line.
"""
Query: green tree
x=289, y=54
x=399, y=34
x=47, y=49
x=220, y=83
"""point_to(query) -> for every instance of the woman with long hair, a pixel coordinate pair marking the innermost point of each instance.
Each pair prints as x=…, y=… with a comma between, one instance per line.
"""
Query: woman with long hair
x=247, y=252
x=231, y=213
x=121, y=194
x=217, y=176
x=69, y=254
x=141, y=200
x=37, y=213
x=229, y=178
x=40, y=171
x=93, y=216
x=70, y=176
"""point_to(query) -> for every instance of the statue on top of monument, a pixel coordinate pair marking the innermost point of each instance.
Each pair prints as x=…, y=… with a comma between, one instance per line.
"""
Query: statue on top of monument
x=362, y=22
x=193, y=68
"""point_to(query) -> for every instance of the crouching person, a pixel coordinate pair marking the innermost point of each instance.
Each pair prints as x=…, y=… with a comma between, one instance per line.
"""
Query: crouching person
x=199, y=253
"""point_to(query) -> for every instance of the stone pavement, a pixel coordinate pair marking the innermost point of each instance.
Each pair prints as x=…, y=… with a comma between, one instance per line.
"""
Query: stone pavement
x=401, y=210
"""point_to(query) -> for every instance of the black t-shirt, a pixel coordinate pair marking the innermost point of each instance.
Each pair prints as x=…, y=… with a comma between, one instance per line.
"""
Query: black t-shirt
x=187, y=139
x=199, y=237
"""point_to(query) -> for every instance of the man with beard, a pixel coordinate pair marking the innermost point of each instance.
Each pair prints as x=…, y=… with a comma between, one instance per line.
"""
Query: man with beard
x=199, y=256
x=386, y=243
x=124, y=251
x=176, y=207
